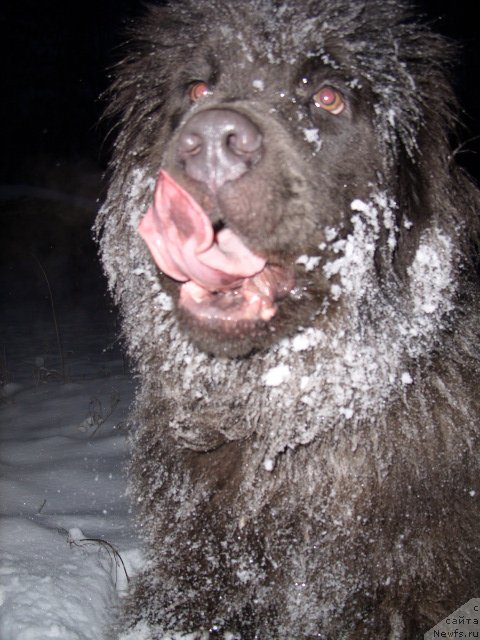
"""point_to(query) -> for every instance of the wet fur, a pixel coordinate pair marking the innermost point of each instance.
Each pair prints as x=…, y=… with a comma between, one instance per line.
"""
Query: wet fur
x=343, y=502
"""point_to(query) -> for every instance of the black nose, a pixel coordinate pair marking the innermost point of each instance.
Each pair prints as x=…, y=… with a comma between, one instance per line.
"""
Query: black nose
x=218, y=145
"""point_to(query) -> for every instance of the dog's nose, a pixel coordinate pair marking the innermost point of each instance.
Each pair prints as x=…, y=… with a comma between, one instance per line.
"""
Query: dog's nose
x=218, y=145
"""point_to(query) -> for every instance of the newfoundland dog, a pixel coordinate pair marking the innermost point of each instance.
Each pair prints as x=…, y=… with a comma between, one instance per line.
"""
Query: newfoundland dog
x=293, y=251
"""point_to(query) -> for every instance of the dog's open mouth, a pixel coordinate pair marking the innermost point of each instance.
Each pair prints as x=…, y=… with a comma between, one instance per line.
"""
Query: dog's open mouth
x=223, y=280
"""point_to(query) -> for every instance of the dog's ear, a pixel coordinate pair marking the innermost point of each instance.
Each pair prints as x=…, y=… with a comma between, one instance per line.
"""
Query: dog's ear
x=428, y=186
x=430, y=189
x=412, y=214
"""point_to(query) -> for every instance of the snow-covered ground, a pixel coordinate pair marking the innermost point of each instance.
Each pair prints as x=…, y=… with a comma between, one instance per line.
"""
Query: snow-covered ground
x=67, y=541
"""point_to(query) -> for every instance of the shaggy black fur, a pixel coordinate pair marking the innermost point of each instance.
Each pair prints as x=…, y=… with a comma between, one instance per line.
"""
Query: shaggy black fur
x=314, y=472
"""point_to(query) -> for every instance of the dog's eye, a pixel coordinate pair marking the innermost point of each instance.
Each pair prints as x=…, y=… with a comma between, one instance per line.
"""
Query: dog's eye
x=198, y=90
x=329, y=99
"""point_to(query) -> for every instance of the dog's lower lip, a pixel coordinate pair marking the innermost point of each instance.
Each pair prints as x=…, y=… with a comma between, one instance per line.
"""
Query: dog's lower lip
x=253, y=300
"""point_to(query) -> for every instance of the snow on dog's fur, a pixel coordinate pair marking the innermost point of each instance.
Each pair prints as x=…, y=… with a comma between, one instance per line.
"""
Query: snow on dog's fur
x=291, y=246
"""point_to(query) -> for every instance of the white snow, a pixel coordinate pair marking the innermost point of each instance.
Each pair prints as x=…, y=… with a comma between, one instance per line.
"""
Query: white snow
x=66, y=537
x=309, y=262
x=312, y=135
x=268, y=464
x=276, y=375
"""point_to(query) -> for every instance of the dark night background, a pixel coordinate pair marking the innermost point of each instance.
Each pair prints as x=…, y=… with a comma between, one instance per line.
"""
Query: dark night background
x=54, y=150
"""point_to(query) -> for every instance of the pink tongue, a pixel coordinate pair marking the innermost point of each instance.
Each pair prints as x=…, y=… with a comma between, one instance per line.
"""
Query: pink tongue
x=182, y=242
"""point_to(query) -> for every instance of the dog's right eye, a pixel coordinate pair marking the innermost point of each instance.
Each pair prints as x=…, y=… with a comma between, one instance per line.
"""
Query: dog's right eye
x=198, y=90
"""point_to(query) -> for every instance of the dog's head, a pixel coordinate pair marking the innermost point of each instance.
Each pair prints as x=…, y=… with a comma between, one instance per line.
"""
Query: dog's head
x=281, y=160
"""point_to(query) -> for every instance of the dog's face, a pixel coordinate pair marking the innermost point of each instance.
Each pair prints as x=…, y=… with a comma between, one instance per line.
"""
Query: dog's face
x=256, y=184
x=261, y=160
x=266, y=139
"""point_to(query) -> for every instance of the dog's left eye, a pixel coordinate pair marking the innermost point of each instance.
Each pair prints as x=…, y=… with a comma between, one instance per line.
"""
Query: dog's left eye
x=330, y=99
x=198, y=90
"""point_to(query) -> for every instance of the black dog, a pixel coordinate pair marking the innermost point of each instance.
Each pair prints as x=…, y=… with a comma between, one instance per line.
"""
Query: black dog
x=292, y=250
